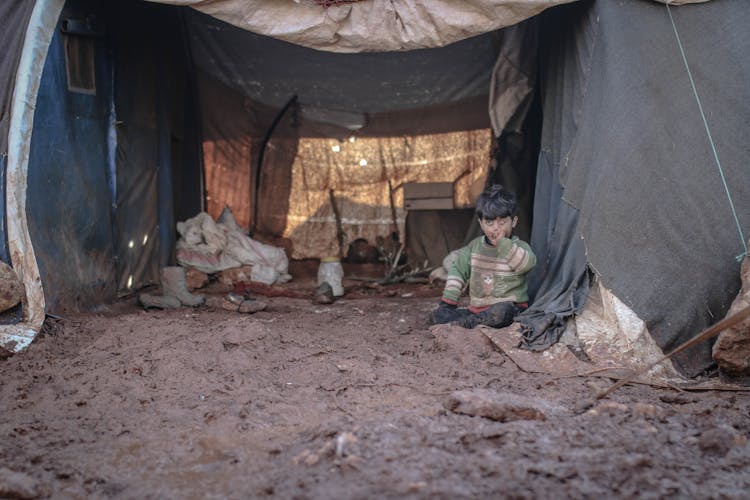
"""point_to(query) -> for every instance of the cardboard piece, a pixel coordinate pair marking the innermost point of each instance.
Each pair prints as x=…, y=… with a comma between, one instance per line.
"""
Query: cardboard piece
x=428, y=196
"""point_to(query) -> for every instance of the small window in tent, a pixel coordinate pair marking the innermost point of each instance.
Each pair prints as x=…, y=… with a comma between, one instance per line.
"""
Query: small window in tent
x=79, y=64
x=80, y=50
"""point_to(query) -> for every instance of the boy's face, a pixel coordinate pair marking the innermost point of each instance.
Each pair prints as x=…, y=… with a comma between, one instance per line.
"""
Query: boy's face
x=497, y=228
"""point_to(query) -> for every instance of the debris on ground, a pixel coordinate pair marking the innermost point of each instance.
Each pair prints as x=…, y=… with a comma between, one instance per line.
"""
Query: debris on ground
x=323, y=294
x=213, y=247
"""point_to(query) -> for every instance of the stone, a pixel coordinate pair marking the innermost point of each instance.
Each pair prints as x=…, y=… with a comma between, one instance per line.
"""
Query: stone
x=215, y=302
x=719, y=440
x=609, y=408
x=11, y=288
x=17, y=485
x=252, y=306
x=229, y=306
x=499, y=406
x=732, y=348
x=235, y=298
x=646, y=410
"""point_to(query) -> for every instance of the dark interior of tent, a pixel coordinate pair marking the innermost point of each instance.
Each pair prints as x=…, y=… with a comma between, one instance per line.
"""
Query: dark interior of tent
x=148, y=114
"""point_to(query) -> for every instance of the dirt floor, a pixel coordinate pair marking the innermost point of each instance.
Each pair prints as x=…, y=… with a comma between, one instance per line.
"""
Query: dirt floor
x=354, y=399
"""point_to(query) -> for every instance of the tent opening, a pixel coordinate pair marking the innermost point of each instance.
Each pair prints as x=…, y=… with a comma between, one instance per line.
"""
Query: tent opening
x=310, y=150
x=147, y=114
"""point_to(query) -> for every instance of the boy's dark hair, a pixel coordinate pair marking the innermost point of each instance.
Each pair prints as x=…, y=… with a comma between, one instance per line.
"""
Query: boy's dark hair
x=496, y=201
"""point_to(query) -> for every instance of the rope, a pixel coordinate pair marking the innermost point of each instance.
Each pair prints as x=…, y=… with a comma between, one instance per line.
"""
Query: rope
x=710, y=139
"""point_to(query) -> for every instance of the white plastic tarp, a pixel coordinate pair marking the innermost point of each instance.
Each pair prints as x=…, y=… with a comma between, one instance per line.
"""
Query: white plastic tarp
x=371, y=25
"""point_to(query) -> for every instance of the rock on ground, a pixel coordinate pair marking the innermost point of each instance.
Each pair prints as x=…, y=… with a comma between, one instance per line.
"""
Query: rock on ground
x=500, y=406
x=11, y=288
x=17, y=485
x=732, y=349
x=252, y=306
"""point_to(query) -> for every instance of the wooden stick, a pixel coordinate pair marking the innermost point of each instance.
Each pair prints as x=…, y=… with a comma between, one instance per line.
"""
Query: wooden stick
x=706, y=334
x=339, y=224
x=394, y=219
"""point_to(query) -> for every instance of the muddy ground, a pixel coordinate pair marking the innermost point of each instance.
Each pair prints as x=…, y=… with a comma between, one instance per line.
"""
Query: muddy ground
x=348, y=400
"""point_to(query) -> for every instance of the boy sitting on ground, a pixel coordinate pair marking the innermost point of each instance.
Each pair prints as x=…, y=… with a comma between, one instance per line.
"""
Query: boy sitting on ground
x=494, y=266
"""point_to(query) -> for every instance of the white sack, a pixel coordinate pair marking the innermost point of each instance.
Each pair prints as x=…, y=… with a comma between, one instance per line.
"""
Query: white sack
x=212, y=247
x=441, y=273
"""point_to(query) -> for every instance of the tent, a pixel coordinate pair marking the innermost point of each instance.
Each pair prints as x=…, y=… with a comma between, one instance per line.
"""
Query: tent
x=624, y=140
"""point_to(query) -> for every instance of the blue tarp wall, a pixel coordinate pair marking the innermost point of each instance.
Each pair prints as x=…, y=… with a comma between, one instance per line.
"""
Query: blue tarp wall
x=101, y=207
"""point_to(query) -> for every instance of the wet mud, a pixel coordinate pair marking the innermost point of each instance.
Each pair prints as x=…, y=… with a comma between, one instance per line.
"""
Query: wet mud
x=354, y=399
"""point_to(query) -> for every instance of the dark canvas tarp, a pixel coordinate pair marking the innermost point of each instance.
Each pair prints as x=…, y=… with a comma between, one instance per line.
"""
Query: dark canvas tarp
x=623, y=132
x=15, y=16
x=68, y=196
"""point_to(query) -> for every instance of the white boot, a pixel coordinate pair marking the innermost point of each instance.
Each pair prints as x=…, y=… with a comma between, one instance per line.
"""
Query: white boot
x=173, y=283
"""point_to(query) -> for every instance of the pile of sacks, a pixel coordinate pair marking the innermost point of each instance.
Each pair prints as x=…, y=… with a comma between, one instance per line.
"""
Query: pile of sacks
x=441, y=273
x=212, y=247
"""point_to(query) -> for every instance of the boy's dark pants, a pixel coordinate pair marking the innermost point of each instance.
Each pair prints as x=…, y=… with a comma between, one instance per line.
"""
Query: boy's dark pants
x=496, y=316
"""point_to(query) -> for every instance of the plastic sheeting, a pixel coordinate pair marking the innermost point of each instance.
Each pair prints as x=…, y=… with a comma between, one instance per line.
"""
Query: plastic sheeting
x=371, y=25
x=14, y=14
x=156, y=162
x=612, y=335
x=101, y=196
x=623, y=131
x=211, y=247
x=338, y=89
x=359, y=174
x=358, y=121
x=68, y=196
x=36, y=42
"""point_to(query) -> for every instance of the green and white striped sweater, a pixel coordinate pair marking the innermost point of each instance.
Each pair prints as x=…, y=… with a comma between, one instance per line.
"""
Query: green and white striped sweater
x=494, y=274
